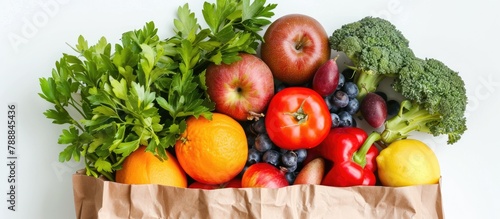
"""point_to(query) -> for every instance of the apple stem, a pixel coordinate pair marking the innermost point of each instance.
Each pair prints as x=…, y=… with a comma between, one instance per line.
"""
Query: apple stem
x=300, y=44
x=254, y=116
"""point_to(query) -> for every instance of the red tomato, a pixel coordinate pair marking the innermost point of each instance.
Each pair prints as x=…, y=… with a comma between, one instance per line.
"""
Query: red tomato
x=297, y=117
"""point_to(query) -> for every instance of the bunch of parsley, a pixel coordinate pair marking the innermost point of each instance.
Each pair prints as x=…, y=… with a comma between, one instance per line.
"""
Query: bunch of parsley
x=114, y=99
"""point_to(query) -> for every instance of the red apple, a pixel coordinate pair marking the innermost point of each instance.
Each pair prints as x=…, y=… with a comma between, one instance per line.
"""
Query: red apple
x=263, y=175
x=295, y=45
x=241, y=89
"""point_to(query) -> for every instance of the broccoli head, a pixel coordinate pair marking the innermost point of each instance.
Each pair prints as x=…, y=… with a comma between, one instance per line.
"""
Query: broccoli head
x=376, y=48
x=435, y=101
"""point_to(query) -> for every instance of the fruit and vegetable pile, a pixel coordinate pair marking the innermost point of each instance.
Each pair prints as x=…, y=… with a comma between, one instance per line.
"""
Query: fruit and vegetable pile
x=227, y=106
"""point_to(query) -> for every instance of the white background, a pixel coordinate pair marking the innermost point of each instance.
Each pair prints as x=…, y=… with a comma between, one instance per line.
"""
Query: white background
x=34, y=34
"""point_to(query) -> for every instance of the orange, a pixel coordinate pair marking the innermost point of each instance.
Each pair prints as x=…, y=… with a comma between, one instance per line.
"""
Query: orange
x=142, y=167
x=212, y=151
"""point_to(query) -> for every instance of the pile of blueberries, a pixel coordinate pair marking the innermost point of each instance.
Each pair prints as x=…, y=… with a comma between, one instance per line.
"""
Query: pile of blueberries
x=343, y=103
x=262, y=149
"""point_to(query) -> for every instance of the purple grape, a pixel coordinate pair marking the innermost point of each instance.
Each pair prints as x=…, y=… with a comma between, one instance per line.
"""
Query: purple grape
x=326, y=78
x=373, y=108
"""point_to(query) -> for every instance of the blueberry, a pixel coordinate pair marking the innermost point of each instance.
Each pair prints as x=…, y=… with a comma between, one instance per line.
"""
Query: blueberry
x=352, y=106
x=340, y=99
x=250, y=140
x=272, y=157
x=328, y=102
x=291, y=169
x=392, y=108
x=254, y=156
x=334, y=109
x=351, y=89
x=290, y=177
x=346, y=119
x=382, y=94
x=341, y=82
x=335, y=120
x=301, y=155
x=263, y=143
x=282, y=150
x=258, y=126
x=289, y=159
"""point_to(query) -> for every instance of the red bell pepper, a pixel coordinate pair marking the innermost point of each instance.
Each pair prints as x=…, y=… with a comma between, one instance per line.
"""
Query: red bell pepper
x=353, y=155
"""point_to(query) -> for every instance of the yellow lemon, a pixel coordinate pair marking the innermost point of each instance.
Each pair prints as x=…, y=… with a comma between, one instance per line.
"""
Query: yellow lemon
x=408, y=162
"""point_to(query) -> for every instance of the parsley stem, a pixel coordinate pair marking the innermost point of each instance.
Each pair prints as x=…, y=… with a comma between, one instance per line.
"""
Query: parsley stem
x=107, y=175
x=77, y=107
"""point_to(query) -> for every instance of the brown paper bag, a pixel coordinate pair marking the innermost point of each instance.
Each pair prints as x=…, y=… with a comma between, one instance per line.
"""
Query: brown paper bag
x=97, y=198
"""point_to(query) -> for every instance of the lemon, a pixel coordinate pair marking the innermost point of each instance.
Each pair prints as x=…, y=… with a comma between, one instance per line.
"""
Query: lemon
x=408, y=162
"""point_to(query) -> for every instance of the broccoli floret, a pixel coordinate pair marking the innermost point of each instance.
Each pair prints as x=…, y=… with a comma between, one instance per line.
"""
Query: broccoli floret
x=435, y=102
x=375, y=47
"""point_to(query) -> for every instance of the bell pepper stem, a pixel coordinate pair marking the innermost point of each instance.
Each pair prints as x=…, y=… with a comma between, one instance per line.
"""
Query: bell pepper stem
x=360, y=155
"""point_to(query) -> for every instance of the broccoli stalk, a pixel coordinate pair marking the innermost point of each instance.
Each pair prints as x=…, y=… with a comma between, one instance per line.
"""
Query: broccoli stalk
x=435, y=102
x=367, y=81
x=411, y=117
x=375, y=47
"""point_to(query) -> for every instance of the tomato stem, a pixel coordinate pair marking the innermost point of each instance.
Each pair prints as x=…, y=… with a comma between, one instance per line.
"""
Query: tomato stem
x=300, y=115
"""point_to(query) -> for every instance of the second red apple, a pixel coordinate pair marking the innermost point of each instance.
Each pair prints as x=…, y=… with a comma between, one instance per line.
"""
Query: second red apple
x=242, y=89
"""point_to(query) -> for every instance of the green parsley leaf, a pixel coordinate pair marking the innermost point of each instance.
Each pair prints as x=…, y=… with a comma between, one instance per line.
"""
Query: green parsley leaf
x=139, y=92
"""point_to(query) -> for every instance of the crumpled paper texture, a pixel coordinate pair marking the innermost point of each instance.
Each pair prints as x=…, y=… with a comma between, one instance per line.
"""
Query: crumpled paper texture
x=97, y=198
